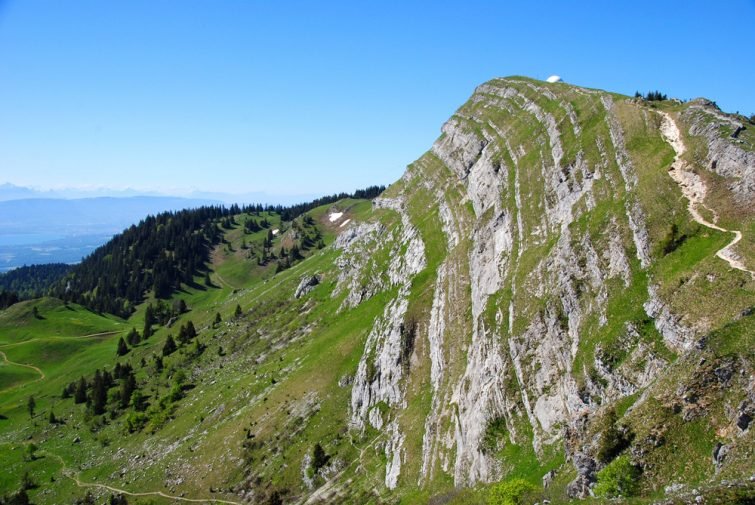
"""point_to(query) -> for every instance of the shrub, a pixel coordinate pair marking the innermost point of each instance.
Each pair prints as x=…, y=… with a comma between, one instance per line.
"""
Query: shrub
x=319, y=458
x=613, y=440
x=495, y=433
x=136, y=421
x=510, y=492
x=618, y=479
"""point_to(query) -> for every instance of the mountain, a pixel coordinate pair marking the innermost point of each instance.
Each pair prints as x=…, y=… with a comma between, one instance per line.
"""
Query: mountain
x=13, y=192
x=555, y=301
x=10, y=192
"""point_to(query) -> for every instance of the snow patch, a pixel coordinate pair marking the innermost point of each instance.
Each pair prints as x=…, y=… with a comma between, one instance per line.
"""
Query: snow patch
x=344, y=223
x=276, y=231
x=335, y=216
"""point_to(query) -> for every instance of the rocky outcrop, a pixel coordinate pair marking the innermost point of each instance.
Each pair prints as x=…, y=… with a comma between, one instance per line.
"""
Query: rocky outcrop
x=377, y=384
x=307, y=284
x=726, y=154
x=523, y=332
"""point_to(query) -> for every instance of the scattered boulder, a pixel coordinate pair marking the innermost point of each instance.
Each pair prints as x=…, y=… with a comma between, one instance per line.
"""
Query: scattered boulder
x=745, y=414
x=548, y=478
x=345, y=380
x=307, y=284
x=580, y=486
x=719, y=455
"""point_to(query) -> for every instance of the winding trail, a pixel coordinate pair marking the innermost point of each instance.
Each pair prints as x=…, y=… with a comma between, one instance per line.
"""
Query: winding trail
x=71, y=475
x=225, y=282
x=31, y=367
x=57, y=337
x=693, y=188
x=42, y=375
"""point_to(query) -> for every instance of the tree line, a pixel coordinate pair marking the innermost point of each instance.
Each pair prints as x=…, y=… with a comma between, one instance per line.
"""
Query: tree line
x=28, y=282
x=651, y=96
x=163, y=251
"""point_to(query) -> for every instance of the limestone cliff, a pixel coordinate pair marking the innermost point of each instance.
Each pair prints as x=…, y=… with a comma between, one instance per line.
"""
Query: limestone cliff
x=550, y=296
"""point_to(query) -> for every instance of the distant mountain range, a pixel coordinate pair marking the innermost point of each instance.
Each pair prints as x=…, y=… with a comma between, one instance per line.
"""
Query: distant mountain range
x=10, y=191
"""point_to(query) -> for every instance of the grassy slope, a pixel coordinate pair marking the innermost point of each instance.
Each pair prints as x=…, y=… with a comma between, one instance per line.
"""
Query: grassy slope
x=267, y=365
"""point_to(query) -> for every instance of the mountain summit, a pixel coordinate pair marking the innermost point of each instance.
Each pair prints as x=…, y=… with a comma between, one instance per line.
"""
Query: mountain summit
x=554, y=302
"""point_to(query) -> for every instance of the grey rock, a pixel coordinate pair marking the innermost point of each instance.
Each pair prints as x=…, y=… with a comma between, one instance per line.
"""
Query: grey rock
x=307, y=284
x=548, y=478
x=719, y=455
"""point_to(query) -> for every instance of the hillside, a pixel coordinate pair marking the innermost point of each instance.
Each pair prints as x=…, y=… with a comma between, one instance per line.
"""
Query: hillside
x=558, y=297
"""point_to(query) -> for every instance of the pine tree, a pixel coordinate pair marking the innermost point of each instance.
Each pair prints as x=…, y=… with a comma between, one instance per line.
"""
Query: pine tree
x=218, y=320
x=107, y=379
x=128, y=386
x=99, y=394
x=187, y=333
x=191, y=332
x=149, y=315
x=237, y=313
x=80, y=395
x=122, y=347
x=319, y=458
x=132, y=338
x=31, y=404
x=170, y=346
x=52, y=418
x=295, y=254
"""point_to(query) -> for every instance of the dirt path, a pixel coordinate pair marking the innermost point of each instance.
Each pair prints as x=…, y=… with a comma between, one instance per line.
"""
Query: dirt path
x=55, y=337
x=42, y=375
x=693, y=188
x=71, y=475
x=31, y=367
x=225, y=282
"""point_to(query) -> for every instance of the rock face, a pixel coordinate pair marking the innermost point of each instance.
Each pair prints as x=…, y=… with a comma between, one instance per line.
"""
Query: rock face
x=727, y=155
x=306, y=285
x=521, y=252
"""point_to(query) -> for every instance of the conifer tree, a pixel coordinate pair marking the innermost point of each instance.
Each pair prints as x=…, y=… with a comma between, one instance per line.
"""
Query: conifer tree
x=31, y=404
x=80, y=395
x=170, y=346
x=99, y=394
x=132, y=338
x=122, y=347
x=128, y=386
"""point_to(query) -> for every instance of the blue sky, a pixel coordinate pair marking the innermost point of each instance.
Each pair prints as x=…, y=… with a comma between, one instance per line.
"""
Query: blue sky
x=312, y=98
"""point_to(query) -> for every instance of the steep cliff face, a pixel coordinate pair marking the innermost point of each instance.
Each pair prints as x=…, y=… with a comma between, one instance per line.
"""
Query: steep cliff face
x=563, y=283
x=536, y=271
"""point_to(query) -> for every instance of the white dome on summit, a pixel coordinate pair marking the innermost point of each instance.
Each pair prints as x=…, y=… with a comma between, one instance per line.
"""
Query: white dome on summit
x=554, y=78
